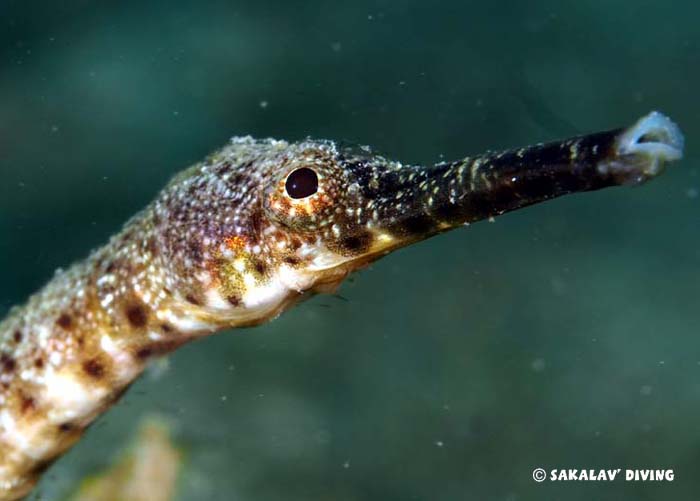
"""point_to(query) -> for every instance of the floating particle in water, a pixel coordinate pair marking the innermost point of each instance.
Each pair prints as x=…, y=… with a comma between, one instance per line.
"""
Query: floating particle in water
x=322, y=436
x=158, y=369
x=558, y=286
x=646, y=390
x=538, y=365
x=263, y=104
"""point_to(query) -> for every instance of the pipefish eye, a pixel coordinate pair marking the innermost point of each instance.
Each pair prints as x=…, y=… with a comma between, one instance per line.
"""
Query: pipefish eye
x=301, y=183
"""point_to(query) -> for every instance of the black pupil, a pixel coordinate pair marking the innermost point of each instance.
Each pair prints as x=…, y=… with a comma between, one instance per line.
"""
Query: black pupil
x=302, y=183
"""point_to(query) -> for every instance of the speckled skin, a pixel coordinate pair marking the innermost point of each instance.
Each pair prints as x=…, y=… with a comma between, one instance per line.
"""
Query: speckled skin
x=224, y=245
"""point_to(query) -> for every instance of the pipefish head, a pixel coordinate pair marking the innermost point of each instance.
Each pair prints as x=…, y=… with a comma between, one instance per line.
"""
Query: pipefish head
x=295, y=218
x=262, y=223
x=353, y=207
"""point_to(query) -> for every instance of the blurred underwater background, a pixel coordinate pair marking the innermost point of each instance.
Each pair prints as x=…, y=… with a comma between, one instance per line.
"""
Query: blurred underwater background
x=566, y=335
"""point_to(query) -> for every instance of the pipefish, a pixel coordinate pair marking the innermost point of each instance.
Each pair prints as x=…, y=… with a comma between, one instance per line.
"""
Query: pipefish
x=244, y=235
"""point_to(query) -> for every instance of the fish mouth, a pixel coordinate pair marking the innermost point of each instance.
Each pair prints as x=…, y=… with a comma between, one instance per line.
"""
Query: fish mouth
x=654, y=135
x=655, y=139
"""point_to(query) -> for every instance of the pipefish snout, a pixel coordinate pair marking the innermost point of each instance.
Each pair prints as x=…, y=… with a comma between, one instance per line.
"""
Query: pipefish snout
x=247, y=233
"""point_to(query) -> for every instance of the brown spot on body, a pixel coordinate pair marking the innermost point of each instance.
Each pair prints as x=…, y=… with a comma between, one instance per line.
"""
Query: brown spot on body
x=192, y=299
x=7, y=363
x=157, y=348
x=291, y=260
x=17, y=336
x=166, y=327
x=195, y=251
x=234, y=300
x=257, y=221
x=260, y=267
x=354, y=244
x=65, y=427
x=39, y=363
x=65, y=321
x=94, y=368
x=136, y=314
x=26, y=403
x=295, y=243
x=152, y=247
x=145, y=352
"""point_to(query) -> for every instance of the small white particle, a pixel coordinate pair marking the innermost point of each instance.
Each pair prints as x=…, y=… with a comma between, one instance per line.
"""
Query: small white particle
x=55, y=358
x=538, y=365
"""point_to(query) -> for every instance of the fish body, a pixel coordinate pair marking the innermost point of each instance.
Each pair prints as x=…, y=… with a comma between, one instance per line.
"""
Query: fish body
x=242, y=236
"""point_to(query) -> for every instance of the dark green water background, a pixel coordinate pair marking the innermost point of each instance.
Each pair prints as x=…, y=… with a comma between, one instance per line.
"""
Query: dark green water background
x=562, y=336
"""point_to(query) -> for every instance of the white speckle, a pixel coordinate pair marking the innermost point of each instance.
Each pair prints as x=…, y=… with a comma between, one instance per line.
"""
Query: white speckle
x=55, y=358
x=107, y=300
x=538, y=365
